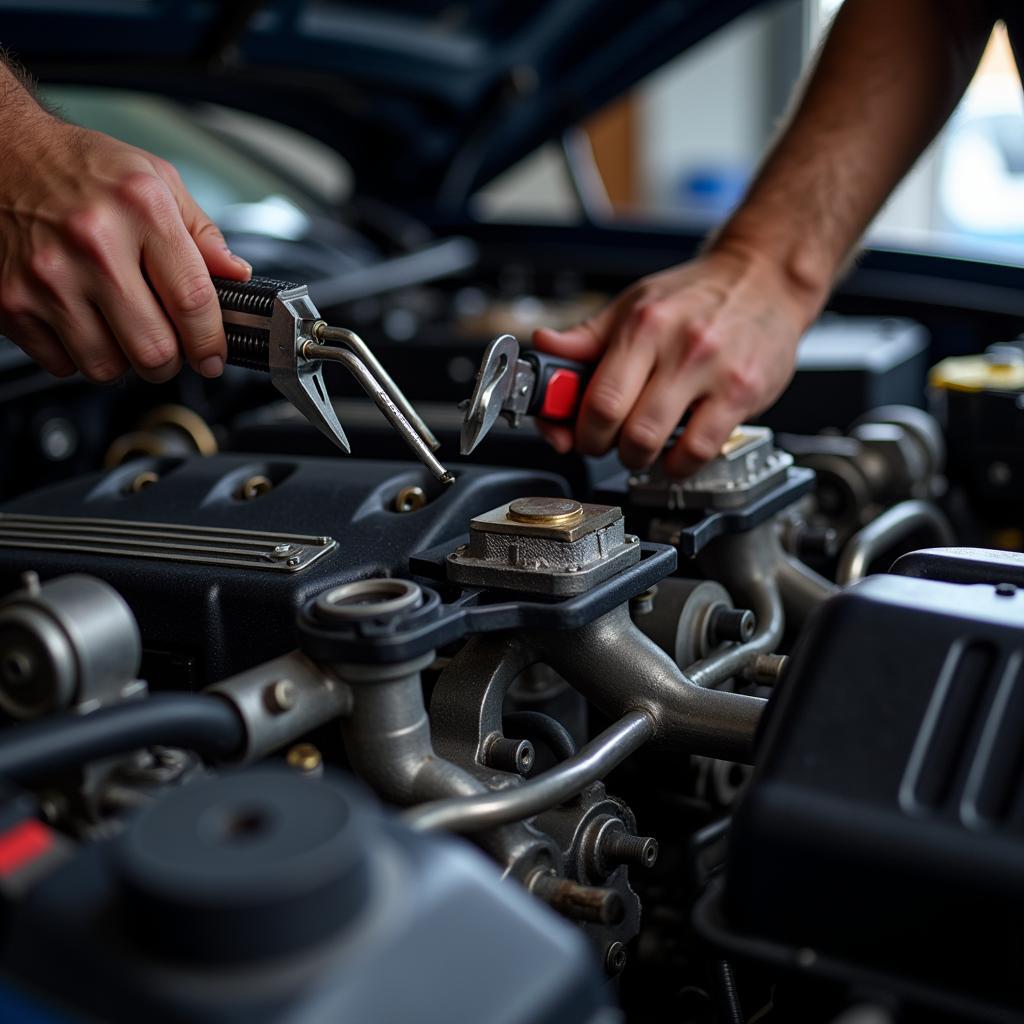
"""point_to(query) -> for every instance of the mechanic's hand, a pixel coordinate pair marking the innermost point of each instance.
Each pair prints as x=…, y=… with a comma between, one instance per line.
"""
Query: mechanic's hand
x=717, y=335
x=105, y=259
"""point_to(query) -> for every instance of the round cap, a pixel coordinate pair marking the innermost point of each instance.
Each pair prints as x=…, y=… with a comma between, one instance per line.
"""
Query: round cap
x=545, y=511
x=244, y=866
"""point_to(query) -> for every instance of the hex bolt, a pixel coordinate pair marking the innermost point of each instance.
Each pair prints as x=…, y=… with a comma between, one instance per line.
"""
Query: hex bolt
x=280, y=696
x=730, y=625
x=622, y=848
x=508, y=755
x=1005, y=590
x=615, y=958
x=579, y=902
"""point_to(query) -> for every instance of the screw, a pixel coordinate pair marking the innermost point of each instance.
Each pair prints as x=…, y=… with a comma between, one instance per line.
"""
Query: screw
x=508, y=755
x=766, y=669
x=615, y=958
x=409, y=499
x=142, y=480
x=293, y=561
x=1005, y=589
x=305, y=758
x=580, y=902
x=282, y=551
x=623, y=848
x=632, y=538
x=730, y=625
x=30, y=581
x=280, y=696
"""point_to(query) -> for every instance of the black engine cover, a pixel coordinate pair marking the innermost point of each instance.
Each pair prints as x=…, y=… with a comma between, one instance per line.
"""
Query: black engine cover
x=884, y=829
x=203, y=622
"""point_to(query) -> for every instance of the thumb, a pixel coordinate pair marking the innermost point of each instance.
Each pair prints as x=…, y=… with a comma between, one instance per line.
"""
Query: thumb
x=219, y=259
x=584, y=342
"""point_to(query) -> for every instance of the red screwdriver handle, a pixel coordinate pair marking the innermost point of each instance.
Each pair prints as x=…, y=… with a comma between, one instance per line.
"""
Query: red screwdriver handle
x=559, y=388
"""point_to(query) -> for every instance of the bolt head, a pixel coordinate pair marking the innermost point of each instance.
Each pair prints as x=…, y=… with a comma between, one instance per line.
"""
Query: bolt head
x=280, y=696
x=615, y=958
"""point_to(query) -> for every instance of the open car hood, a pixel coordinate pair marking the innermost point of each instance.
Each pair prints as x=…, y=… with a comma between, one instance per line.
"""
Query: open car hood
x=426, y=99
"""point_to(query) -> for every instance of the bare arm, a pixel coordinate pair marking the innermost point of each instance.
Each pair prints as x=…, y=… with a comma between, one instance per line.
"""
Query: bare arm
x=105, y=259
x=718, y=335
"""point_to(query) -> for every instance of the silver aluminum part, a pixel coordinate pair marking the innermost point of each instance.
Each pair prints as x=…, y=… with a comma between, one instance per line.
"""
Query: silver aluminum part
x=748, y=465
x=488, y=810
x=314, y=698
x=342, y=336
x=366, y=380
x=387, y=736
x=167, y=542
x=516, y=556
x=619, y=670
x=71, y=642
x=896, y=524
x=298, y=378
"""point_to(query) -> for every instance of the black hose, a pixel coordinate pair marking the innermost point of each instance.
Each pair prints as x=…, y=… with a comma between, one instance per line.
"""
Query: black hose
x=727, y=990
x=206, y=724
x=535, y=725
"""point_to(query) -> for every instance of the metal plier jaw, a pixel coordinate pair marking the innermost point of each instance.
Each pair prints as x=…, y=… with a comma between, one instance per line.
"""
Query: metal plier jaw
x=299, y=379
x=274, y=326
x=513, y=385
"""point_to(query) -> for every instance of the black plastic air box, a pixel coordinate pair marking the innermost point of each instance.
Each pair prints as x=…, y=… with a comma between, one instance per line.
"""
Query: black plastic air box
x=884, y=829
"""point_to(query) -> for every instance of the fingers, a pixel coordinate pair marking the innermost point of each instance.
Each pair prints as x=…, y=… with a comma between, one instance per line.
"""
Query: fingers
x=219, y=259
x=655, y=416
x=584, y=342
x=556, y=435
x=89, y=343
x=40, y=344
x=707, y=431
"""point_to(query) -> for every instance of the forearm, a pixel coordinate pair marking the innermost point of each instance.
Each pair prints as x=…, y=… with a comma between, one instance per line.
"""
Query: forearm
x=887, y=79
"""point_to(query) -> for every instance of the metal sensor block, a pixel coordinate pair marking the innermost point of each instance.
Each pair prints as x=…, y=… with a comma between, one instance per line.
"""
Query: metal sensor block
x=748, y=465
x=553, y=546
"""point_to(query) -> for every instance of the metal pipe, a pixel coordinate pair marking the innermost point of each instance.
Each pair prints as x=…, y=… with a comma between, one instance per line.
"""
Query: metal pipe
x=369, y=383
x=342, y=336
x=488, y=810
x=802, y=589
x=893, y=525
x=766, y=605
x=620, y=670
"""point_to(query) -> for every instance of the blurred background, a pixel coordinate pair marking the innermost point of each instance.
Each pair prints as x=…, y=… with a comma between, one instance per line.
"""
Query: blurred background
x=679, y=147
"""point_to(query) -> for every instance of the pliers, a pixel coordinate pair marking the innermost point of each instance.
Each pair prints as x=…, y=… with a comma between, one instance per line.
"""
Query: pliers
x=512, y=385
x=274, y=326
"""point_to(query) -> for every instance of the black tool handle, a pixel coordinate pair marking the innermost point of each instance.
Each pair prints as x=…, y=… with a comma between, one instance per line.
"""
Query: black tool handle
x=559, y=387
x=249, y=345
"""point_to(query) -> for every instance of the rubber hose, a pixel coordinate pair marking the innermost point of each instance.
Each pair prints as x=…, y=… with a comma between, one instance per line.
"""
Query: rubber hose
x=206, y=724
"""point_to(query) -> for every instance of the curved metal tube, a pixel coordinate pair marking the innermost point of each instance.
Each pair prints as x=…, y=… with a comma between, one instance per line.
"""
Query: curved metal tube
x=342, y=336
x=488, y=810
x=716, y=668
x=802, y=589
x=618, y=669
x=891, y=526
x=376, y=391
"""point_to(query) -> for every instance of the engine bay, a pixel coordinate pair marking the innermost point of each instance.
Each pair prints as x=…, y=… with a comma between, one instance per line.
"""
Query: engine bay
x=299, y=736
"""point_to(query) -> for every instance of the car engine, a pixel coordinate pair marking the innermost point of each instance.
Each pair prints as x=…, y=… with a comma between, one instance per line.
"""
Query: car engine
x=295, y=737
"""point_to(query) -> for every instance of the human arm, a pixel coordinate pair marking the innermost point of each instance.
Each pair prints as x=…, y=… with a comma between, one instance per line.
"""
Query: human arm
x=718, y=335
x=105, y=259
